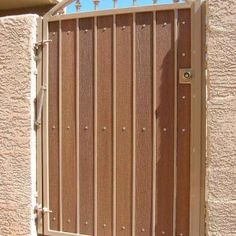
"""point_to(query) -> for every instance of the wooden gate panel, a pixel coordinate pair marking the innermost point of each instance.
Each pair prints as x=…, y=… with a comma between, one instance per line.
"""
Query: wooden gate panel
x=68, y=126
x=53, y=124
x=144, y=114
x=104, y=125
x=165, y=114
x=124, y=124
x=184, y=117
x=86, y=125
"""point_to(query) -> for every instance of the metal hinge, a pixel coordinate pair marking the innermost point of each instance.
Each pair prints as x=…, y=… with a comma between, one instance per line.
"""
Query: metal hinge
x=42, y=43
x=40, y=102
x=43, y=210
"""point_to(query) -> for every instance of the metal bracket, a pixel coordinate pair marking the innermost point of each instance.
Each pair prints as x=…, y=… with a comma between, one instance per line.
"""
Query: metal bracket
x=40, y=106
x=185, y=76
x=43, y=210
x=41, y=44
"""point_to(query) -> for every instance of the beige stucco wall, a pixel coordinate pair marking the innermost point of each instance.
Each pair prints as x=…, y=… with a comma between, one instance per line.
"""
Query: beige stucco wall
x=221, y=119
x=17, y=137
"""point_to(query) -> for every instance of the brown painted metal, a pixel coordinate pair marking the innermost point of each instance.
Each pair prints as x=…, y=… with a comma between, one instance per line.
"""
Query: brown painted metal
x=124, y=124
x=183, y=126
x=104, y=125
x=53, y=124
x=68, y=111
x=144, y=80
x=104, y=74
x=86, y=125
x=165, y=82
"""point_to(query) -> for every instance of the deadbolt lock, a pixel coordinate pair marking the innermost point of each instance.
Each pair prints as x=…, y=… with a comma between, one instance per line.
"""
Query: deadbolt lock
x=185, y=76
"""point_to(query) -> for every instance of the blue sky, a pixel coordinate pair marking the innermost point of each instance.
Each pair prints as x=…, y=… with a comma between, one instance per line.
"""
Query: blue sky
x=87, y=5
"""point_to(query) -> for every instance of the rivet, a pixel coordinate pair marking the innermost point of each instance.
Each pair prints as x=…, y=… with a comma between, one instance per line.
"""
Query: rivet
x=123, y=228
x=54, y=218
x=54, y=127
x=86, y=222
x=194, y=96
x=124, y=128
x=183, y=54
x=143, y=26
x=165, y=24
x=183, y=97
x=68, y=221
x=54, y=33
x=86, y=31
x=143, y=230
x=181, y=234
x=68, y=127
x=68, y=32
x=104, y=29
x=104, y=225
x=165, y=129
x=183, y=22
x=123, y=27
x=183, y=130
x=86, y=127
x=143, y=129
x=104, y=128
x=163, y=232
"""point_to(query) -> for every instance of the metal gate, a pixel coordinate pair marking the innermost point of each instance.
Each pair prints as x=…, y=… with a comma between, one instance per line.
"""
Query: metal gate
x=121, y=127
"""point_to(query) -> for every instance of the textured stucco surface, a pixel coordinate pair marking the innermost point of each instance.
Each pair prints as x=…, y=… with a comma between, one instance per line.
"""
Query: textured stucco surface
x=221, y=119
x=17, y=137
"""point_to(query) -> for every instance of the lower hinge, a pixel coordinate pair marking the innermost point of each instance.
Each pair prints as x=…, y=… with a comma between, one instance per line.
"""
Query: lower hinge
x=42, y=43
x=41, y=210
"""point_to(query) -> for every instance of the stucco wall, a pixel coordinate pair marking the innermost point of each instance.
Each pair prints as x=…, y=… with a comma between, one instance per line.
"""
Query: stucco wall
x=221, y=118
x=17, y=137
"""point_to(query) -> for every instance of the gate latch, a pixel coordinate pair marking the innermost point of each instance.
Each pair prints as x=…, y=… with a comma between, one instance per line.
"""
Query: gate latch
x=185, y=76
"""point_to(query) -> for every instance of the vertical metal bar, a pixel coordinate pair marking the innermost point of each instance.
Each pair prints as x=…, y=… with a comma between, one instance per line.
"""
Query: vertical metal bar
x=134, y=127
x=45, y=129
x=95, y=126
x=114, y=125
x=39, y=130
x=175, y=115
x=77, y=124
x=154, y=128
x=197, y=124
x=60, y=122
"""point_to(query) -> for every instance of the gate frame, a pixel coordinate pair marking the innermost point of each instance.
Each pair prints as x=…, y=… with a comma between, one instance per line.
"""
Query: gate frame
x=198, y=135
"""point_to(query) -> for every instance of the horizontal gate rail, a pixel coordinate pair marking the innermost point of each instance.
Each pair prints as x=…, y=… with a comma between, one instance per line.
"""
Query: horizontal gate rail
x=135, y=9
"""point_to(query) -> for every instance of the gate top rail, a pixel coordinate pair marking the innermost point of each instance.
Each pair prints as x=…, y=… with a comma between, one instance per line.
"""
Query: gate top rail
x=58, y=12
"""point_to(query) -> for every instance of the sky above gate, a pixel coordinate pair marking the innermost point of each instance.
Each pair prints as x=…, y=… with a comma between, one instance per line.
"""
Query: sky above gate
x=87, y=5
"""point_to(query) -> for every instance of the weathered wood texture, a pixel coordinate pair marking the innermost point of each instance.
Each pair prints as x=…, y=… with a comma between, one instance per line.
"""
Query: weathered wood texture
x=53, y=124
x=165, y=90
x=86, y=125
x=124, y=124
x=68, y=126
x=105, y=125
x=183, y=120
x=144, y=129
